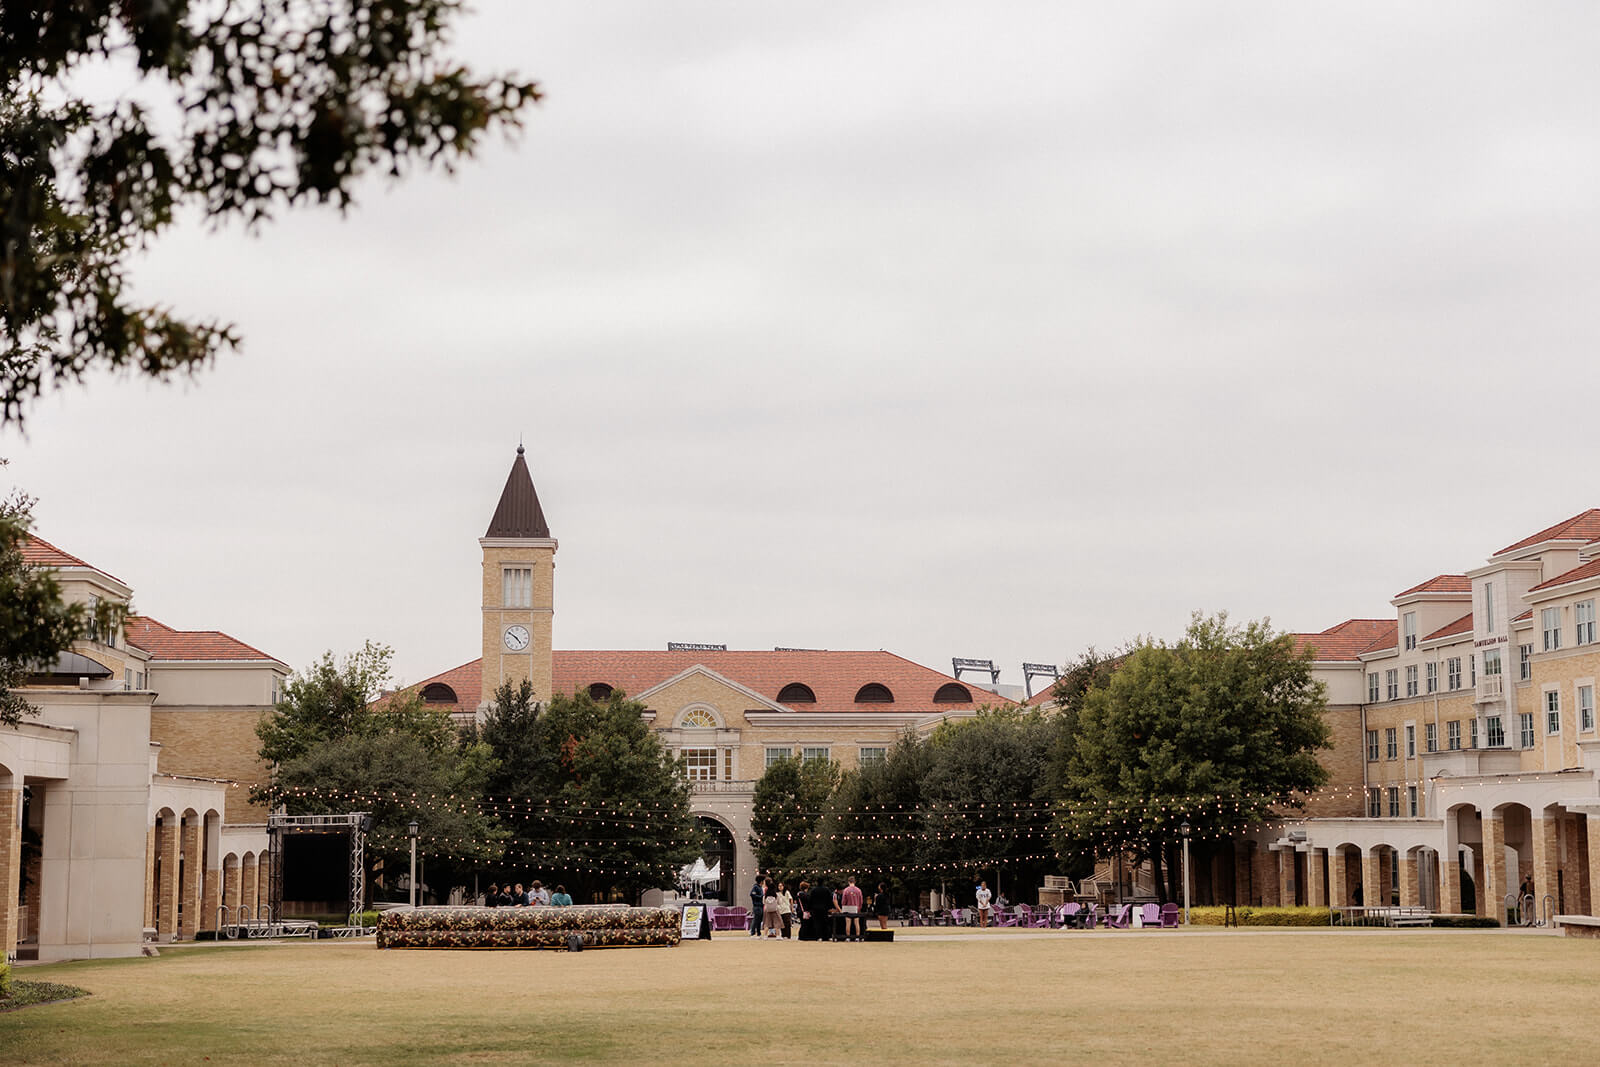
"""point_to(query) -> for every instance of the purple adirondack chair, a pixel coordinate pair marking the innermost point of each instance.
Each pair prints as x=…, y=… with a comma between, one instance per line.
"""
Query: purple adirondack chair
x=1150, y=915
x=1091, y=915
x=1121, y=918
x=1171, y=915
x=1068, y=915
x=1006, y=918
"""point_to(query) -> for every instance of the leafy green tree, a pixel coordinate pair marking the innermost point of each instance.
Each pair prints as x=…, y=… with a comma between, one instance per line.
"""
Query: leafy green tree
x=593, y=799
x=876, y=822
x=986, y=795
x=1227, y=712
x=35, y=626
x=247, y=108
x=789, y=800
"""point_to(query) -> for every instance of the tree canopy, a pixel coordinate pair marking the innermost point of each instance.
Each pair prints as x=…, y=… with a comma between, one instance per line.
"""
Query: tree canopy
x=1220, y=730
x=235, y=110
x=790, y=797
x=587, y=792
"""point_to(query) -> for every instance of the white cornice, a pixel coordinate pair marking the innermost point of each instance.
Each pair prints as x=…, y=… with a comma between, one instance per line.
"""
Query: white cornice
x=1496, y=565
x=799, y=720
x=518, y=542
x=1556, y=592
x=1431, y=598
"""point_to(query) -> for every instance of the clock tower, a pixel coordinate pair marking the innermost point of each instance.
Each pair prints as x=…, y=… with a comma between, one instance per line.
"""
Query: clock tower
x=519, y=559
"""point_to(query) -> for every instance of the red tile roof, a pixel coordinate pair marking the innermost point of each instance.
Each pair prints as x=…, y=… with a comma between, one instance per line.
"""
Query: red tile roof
x=165, y=643
x=835, y=677
x=1583, y=527
x=1440, y=583
x=1350, y=638
x=1576, y=574
x=38, y=552
x=1524, y=616
x=1462, y=625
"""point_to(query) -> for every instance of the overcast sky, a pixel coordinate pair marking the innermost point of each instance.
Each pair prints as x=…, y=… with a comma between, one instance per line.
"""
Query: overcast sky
x=948, y=329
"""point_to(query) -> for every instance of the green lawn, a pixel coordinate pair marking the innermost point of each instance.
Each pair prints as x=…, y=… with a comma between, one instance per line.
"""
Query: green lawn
x=1242, y=996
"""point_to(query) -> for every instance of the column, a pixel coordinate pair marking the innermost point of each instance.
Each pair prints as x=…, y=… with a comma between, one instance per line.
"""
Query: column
x=264, y=883
x=192, y=871
x=167, y=915
x=1410, y=897
x=1479, y=882
x=247, y=885
x=1264, y=873
x=1546, y=861
x=1450, y=884
x=1494, y=867
x=10, y=865
x=150, y=878
x=1594, y=862
x=1286, y=865
x=210, y=898
x=1372, y=887
x=1338, y=879
x=230, y=890
x=1316, y=895
x=1243, y=885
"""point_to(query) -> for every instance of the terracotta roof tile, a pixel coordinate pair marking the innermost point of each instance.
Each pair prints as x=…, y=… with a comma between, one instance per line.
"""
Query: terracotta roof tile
x=1462, y=625
x=165, y=643
x=1440, y=583
x=1524, y=617
x=38, y=552
x=1350, y=638
x=835, y=677
x=1584, y=527
x=1576, y=574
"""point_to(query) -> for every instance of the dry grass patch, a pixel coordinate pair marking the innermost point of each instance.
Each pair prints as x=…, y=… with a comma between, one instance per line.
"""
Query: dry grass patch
x=1222, y=997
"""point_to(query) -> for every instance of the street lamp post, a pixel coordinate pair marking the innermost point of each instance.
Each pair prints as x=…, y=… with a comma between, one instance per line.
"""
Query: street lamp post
x=413, y=834
x=1184, y=830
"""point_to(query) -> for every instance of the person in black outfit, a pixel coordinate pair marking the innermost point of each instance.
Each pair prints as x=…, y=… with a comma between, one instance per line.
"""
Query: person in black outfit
x=491, y=899
x=820, y=903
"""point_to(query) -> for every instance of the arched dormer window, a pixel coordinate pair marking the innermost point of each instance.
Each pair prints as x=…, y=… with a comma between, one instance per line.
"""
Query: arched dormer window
x=698, y=719
x=600, y=691
x=952, y=693
x=797, y=693
x=873, y=693
x=438, y=693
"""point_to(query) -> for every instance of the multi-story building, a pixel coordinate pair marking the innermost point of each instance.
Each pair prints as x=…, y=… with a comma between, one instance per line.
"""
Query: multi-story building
x=728, y=714
x=134, y=773
x=1474, y=764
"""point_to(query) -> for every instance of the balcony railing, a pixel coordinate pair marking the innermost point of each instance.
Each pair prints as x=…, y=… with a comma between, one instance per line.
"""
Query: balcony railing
x=747, y=785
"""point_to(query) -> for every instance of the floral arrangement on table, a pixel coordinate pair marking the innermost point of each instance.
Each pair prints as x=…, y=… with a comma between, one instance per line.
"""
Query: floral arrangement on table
x=600, y=926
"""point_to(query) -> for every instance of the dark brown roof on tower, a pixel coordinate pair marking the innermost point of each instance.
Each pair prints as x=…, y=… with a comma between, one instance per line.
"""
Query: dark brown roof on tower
x=519, y=513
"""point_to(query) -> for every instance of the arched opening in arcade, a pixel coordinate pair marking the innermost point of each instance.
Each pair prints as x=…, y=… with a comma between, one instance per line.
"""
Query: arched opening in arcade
x=718, y=848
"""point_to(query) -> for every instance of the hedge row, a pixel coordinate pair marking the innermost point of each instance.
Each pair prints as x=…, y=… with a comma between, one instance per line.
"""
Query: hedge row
x=598, y=926
x=5, y=979
x=1248, y=916
x=1465, y=922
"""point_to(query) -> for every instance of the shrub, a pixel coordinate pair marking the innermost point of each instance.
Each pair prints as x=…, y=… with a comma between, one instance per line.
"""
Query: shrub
x=1464, y=922
x=1249, y=916
x=5, y=979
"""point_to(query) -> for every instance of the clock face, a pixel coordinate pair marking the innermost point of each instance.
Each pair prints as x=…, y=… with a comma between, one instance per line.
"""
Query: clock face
x=516, y=638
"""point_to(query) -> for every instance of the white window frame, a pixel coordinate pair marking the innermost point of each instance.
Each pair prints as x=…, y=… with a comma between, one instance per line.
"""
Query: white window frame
x=1550, y=625
x=695, y=767
x=1372, y=746
x=1391, y=743
x=1411, y=680
x=1431, y=675
x=1394, y=801
x=516, y=585
x=1494, y=731
x=1372, y=687
x=1552, y=711
x=1431, y=736
x=1525, y=734
x=1374, y=803
x=779, y=753
x=880, y=754
x=1586, y=708
x=1453, y=672
x=1583, y=622
x=1411, y=740
x=1524, y=663
x=1452, y=735
x=1488, y=608
x=1411, y=800
x=1408, y=622
x=1391, y=683
x=814, y=752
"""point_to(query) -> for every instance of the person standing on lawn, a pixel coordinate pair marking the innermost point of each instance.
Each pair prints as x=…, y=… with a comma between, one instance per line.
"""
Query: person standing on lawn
x=850, y=900
x=758, y=902
x=984, y=897
x=880, y=905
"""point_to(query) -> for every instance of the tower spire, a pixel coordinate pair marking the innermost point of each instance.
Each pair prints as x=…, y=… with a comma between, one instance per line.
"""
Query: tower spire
x=518, y=514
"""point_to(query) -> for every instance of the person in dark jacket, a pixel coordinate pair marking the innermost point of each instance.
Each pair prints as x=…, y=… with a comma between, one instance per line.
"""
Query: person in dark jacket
x=822, y=905
x=758, y=901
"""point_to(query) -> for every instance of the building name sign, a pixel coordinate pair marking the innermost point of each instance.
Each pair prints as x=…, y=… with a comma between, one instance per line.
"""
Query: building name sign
x=687, y=646
x=1491, y=641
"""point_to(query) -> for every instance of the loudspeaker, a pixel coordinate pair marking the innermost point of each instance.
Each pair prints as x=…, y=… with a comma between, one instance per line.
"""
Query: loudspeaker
x=879, y=935
x=574, y=942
